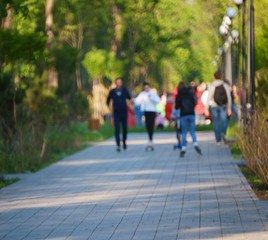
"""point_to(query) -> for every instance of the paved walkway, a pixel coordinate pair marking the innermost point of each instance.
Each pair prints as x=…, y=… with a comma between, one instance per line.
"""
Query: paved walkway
x=99, y=194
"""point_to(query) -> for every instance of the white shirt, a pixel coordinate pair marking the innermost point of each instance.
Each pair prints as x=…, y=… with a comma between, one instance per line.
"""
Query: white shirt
x=147, y=100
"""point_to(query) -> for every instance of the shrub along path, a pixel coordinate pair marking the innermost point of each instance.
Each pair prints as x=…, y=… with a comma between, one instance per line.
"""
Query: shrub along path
x=101, y=194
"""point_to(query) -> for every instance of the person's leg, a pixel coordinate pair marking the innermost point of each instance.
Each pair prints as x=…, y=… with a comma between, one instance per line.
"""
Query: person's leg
x=124, y=128
x=151, y=123
x=216, y=123
x=234, y=112
x=191, y=124
x=183, y=135
x=184, y=131
x=147, y=121
x=178, y=131
x=223, y=119
x=117, y=128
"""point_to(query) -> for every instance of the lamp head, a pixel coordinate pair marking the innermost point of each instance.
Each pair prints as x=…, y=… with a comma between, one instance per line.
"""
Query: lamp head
x=239, y=2
x=231, y=12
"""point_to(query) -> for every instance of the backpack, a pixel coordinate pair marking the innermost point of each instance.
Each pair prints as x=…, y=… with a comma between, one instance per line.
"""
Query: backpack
x=220, y=95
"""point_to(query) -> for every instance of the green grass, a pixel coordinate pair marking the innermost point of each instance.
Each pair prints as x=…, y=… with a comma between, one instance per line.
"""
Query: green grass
x=258, y=186
x=235, y=151
x=233, y=127
x=5, y=182
x=199, y=128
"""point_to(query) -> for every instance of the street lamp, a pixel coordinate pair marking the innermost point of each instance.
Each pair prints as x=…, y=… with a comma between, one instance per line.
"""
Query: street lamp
x=252, y=52
x=235, y=35
x=225, y=32
x=231, y=12
x=242, y=46
x=239, y=2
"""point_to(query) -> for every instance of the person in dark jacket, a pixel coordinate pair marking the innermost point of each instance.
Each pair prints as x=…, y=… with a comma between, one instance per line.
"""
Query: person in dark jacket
x=185, y=102
x=119, y=95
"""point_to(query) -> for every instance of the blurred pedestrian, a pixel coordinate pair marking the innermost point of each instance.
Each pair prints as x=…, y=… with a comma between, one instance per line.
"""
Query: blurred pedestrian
x=218, y=105
x=148, y=99
x=119, y=96
x=138, y=115
x=169, y=107
x=199, y=108
x=185, y=102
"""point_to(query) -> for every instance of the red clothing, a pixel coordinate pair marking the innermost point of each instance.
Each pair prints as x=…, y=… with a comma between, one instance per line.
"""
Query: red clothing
x=200, y=108
x=168, y=110
x=130, y=117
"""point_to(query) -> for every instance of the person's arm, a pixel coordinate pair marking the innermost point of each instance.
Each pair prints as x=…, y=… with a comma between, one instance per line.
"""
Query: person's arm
x=211, y=90
x=195, y=99
x=108, y=99
x=128, y=95
x=177, y=102
x=154, y=97
x=138, y=99
x=229, y=100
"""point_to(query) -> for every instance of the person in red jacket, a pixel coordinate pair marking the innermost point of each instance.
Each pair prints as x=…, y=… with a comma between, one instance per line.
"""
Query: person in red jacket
x=169, y=107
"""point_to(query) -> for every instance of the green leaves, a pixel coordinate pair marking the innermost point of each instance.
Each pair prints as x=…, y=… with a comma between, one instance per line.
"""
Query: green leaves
x=15, y=46
x=100, y=63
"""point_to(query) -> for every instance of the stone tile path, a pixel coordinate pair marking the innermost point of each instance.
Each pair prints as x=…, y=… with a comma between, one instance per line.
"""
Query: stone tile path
x=99, y=194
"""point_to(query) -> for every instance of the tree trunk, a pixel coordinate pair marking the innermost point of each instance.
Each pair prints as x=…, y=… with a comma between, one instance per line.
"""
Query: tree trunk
x=6, y=21
x=52, y=78
x=117, y=29
x=49, y=23
x=6, y=24
x=79, y=46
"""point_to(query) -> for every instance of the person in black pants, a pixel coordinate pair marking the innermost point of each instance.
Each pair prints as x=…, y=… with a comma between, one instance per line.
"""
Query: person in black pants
x=150, y=123
x=119, y=95
x=148, y=99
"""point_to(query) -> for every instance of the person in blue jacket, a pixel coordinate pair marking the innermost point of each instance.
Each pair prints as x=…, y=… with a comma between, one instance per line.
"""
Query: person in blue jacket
x=119, y=95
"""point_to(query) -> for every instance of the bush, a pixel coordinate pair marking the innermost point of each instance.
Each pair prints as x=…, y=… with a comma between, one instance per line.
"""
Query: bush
x=253, y=143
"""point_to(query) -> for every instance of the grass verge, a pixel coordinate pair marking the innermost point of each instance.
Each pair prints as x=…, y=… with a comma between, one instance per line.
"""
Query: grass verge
x=257, y=185
x=5, y=182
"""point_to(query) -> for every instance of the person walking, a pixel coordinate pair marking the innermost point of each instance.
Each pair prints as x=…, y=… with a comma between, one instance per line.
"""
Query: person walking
x=119, y=95
x=185, y=102
x=148, y=99
x=219, y=103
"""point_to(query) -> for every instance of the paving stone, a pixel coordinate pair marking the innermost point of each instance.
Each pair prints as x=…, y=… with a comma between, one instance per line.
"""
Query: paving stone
x=100, y=194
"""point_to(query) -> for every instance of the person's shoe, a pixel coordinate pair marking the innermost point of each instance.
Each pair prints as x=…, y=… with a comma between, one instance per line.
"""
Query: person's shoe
x=124, y=145
x=223, y=138
x=198, y=150
x=118, y=149
x=182, y=153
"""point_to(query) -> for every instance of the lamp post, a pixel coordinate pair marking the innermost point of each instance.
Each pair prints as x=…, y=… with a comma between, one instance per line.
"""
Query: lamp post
x=239, y=3
x=224, y=31
x=252, y=52
x=244, y=94
x=231, y=13
x=242, y=47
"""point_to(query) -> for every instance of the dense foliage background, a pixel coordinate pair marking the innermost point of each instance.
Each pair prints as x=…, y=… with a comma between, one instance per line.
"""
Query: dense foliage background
x=53, y=53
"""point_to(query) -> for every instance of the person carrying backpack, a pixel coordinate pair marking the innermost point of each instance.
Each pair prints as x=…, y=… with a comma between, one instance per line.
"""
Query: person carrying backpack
x=219, y=103
x=185, y=102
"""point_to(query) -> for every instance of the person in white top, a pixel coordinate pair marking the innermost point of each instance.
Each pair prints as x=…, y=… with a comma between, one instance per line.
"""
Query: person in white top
x=148, y=99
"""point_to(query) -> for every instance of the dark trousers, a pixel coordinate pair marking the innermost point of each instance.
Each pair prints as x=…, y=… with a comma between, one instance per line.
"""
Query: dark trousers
x=120, y=118
x=149, y=123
